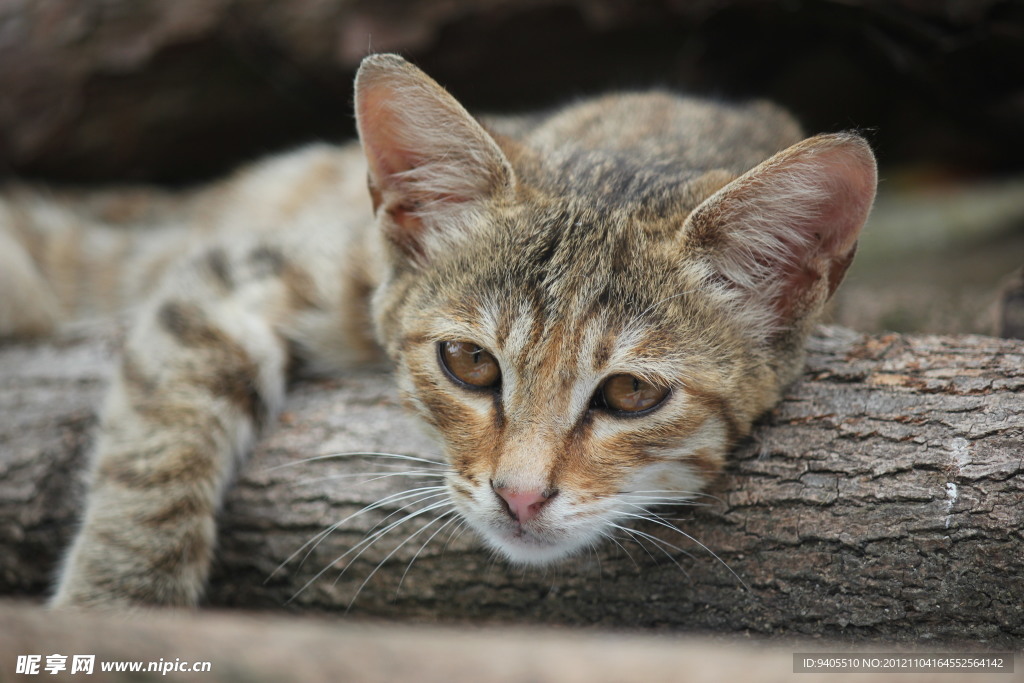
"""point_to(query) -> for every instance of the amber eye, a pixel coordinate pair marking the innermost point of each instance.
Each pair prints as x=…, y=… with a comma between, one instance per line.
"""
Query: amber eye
x=629, y=394
x=469, y=364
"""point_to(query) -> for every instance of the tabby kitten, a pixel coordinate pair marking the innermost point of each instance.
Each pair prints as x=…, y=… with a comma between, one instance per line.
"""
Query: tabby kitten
x=583, y=306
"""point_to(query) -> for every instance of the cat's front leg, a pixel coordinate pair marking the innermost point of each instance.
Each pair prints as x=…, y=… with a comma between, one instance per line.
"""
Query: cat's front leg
x=202, y=370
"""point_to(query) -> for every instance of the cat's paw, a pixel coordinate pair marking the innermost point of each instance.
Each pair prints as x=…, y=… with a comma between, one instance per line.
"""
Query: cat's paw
x=121, y=570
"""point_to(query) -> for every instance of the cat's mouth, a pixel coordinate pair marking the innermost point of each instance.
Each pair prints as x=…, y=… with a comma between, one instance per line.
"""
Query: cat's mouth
x=524, y=547
x=518, y=533
x=531, y=543
x=548, y=538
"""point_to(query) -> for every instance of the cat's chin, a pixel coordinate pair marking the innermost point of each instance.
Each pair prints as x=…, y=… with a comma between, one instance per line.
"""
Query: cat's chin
x=530, y=549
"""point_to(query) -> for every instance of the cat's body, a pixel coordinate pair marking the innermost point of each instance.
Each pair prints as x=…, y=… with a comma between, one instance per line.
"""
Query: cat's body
x=587, y=308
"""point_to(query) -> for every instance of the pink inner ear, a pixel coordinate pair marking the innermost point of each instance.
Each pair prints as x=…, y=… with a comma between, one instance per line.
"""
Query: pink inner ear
x=386, y=153
x=785, y=232
x=426, y=155
x=847, y=181
x=389, y=155
x=422, y=147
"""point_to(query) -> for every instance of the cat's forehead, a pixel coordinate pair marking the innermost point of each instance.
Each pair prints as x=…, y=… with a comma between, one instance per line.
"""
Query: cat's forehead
x=573, y=262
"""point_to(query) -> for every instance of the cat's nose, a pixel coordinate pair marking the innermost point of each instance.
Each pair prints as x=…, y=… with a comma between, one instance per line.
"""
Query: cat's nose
x=523, y=506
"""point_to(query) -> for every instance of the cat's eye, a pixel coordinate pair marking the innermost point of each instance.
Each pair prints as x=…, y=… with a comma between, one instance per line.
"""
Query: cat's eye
x=630, y=394
x=469, y=364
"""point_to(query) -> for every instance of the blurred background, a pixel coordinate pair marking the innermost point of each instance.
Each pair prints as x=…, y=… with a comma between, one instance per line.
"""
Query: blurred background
x=151, y=91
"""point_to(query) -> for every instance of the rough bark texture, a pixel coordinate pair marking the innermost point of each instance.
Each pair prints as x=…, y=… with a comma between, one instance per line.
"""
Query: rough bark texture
x=881, y=501
x=149, y=89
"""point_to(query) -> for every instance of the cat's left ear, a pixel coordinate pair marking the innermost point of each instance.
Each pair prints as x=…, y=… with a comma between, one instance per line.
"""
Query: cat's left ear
x=782, y=235
x=430, y=162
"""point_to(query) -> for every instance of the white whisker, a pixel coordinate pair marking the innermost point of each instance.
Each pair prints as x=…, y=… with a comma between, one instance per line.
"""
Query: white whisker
x=370, y=476
x=662, y=522
x=378, y=533
x=396, y=548
x=457, y=532
x=611, y=537
x=424, y=545
x=393, y=498
x=646, y=503
x=675, y=493
x=637, y=537
x=658, y=543
x=356, y=454
x=367, y=542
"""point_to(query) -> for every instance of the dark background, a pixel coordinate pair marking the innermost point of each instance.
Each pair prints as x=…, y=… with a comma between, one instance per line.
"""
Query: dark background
x=102, y=90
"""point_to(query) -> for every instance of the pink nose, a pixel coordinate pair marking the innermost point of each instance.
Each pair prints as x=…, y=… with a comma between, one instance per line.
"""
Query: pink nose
x=523, y=506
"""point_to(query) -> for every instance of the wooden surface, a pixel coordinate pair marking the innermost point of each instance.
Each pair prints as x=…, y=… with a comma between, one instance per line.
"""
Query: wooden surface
x=881, y=501
x=274, y=648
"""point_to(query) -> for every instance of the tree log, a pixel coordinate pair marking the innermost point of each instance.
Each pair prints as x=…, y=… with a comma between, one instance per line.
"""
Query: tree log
x=275, y=648
x=880, y=501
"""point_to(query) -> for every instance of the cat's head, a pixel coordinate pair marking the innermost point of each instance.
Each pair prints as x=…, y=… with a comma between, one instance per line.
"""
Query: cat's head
x=580, y=358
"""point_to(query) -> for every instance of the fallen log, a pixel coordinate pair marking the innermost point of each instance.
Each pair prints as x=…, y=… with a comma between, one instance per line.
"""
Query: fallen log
x=215, y=647
x=880, y=501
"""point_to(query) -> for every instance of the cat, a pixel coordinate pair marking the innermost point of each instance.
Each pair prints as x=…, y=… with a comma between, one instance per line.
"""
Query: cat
x=581, y=305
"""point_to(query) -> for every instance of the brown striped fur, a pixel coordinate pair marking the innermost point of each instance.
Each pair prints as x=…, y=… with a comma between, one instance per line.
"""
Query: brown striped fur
x=687, y=243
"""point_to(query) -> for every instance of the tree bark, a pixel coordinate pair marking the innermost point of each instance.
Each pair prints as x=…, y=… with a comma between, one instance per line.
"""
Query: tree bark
x=880, y=501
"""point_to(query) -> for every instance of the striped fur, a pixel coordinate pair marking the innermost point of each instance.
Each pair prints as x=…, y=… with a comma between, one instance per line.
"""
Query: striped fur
x=686, y=243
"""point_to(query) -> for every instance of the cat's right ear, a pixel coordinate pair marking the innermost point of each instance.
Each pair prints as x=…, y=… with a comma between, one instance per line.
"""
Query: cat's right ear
x=431, y=164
